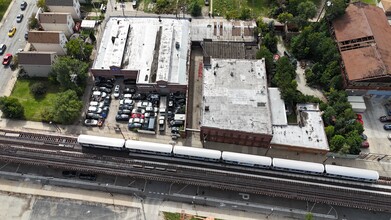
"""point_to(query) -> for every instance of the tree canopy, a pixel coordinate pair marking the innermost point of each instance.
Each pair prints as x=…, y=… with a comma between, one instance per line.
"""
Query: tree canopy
x=78, y=49
x=70, y=73
x=66, y=108
x=11, y=108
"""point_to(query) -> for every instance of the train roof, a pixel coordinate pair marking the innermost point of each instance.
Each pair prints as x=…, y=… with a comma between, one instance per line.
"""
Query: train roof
x=197, y=152
x=298, y=165
x=247, y=158
x=98, y=140
x=352, y=172
x=148, y=146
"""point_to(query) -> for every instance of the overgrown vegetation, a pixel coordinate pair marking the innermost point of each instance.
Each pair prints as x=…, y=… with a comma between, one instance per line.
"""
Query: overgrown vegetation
x=11, y=108
x=38, y=89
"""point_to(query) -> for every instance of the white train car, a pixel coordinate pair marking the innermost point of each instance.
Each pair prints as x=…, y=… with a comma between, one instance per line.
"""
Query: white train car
x=246, y=159
x=197, y=153
x=148, y=147
x=351, y=173
x=101, y=142
x=298, y=166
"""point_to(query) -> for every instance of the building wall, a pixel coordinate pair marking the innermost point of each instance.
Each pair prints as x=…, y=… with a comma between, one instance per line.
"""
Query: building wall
x=37, y=70
x=299, y=149
x=66, y=28
x=127, y=74
x=235, y=137
x=50, y=48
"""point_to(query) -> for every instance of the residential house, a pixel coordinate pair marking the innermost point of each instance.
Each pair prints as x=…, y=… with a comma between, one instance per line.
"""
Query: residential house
x=66, y=6
x=363, y=37
x=53, y=21
x=48, y=41
x=37, y=64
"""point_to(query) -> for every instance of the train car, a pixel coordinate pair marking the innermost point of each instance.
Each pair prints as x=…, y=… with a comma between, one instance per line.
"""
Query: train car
x=101, y=142
x=197, y=153
x=351, y=173
x=298, y=166
x=246, y=159
x=148, y=147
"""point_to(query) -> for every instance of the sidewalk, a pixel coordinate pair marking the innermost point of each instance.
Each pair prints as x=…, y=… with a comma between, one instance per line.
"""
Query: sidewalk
x=28, y=188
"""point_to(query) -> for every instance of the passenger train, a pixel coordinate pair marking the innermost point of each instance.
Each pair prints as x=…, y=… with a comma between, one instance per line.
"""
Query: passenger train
x=230, y=158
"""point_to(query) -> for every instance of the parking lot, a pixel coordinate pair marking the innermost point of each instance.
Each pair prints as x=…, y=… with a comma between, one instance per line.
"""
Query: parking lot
x=377, y=136
x=116, y=105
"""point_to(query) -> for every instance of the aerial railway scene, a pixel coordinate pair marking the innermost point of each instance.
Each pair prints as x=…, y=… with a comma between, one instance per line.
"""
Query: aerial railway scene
x=195, y=110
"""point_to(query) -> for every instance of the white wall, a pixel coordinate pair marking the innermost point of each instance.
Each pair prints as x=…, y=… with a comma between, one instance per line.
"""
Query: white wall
x=44, y=47
x=67, y=29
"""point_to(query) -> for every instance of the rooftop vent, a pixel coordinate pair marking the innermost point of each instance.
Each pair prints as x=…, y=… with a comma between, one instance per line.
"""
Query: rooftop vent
x=261, y=104
x=177, y=45
x=207, y=108
x=232, y=74
x=214, y=73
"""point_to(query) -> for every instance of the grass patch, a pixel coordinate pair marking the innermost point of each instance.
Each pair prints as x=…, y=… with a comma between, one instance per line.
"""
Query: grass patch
x=32, y=106
x=3, y=7
x=292, y=118
x=370, y=2
x=177, y=216
x=258, y=7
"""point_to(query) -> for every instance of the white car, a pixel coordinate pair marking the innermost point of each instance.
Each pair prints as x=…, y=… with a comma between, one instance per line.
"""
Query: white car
x=91, y=122
x=126, y=101
x=95, y=109
x=116, y=91
x=98, y=104
x=389, y=137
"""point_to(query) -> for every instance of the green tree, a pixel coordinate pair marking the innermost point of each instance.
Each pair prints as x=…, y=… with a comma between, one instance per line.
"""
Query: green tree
x=329, y=131
x=329, y=115
x=306, y=10
x=354, y=140
x=284, y=17
x=78, y=49
x=33, y=23
x=337, y=143
x=38, y=89
x=70, y=73
x=309, y=216
x=42, y=4
x=195, y=8
x=66, y=108
x=161, y=6
x=245, y=13
x=336, y=9
x=11, y=108
x=270, y=42
x=263, y=52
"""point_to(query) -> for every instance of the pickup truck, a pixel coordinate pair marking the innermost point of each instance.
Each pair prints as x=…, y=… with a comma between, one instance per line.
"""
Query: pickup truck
x=385, y=118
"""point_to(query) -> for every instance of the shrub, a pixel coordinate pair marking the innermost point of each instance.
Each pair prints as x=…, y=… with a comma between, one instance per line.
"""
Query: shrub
x=38, y=89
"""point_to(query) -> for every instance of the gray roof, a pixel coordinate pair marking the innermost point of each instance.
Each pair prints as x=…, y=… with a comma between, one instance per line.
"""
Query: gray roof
x=53, y=17
x=235, y=96
x=35, y=58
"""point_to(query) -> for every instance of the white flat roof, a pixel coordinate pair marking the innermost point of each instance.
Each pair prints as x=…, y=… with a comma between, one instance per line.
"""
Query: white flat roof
x=138, y=46
x=310, y=134
x=278, y=106
x=235, y=92
x=88, y=24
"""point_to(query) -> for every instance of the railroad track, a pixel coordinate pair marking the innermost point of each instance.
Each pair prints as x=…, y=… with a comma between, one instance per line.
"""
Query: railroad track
x=293, y=189
x=7, y=136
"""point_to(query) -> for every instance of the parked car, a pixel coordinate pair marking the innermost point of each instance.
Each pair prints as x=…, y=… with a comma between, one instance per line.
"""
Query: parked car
x=389, y=137
x=26, y=35
x=126, y=101
x=7, y=59
x=122, y=117
x=365, y=144
x=19, y=18
x=116, y=91
x=125, y=106
x=138, y=110
x=23, y=5
x=385, y=118
x=124, y=111
x=176, y=123
x=136, y=120
x=388, y=109
x=134, y=125
x=91, y=115
x=128, y=90
x=137, y=115
x=3, y=47
x=91, y=122
x=105, y=111
x=87, y=176
x=94, y=109
x=69, y=173
x=363, y=136
x=104, y=89
x=387, y=127
x=139, y=96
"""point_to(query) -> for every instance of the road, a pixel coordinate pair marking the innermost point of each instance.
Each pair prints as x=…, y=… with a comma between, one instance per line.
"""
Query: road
x=16, y=42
